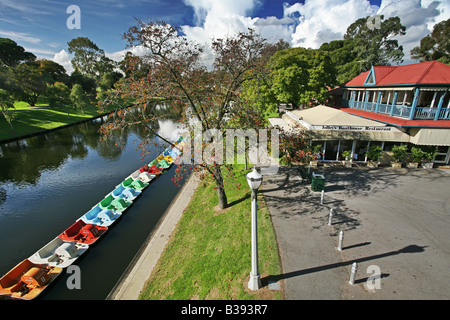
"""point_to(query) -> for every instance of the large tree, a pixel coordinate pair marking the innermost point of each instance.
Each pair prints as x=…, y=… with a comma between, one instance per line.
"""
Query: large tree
x=300, y=76
x=89, y=59
x=376, y=44
x=11, y=54
x=436, y=45
x=178, y=78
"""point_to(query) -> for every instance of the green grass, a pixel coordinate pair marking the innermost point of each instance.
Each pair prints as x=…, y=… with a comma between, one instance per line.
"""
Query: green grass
x=209, y=253
x=31, y=121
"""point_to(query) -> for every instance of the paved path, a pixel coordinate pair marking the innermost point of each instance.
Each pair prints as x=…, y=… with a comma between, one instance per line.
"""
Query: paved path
x=396, y=224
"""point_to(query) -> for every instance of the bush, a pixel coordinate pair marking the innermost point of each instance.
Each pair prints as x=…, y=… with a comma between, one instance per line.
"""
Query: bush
x=416, y=154
x=347, y=154
x=399, y=152
x=374, y=153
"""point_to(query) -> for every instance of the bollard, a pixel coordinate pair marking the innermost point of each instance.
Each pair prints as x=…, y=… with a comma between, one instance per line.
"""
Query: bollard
x=353, y=273
x=329, y=218
x=341, y=238
x=321, y=197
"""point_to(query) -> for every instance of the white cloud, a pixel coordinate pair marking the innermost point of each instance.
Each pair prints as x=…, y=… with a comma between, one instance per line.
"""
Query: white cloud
x=19, y=36
x=308, y=25
x=418, y=17
x=321, y=21
x=64, y=59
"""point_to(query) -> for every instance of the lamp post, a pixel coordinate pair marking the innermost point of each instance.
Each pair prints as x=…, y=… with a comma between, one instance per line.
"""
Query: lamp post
x=254, y=180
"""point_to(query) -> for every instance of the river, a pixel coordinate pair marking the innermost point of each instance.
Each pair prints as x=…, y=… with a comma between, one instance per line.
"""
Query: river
x=50, y=180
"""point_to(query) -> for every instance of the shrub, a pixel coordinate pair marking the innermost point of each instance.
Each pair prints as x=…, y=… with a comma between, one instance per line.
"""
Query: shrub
x=374, y=153
x=416, y=154
x=399, y=152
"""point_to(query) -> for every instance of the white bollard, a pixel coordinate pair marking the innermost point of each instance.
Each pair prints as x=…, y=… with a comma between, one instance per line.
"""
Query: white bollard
x=321, y=197
x=341, y=238
x=353, y=273
x=330, y=216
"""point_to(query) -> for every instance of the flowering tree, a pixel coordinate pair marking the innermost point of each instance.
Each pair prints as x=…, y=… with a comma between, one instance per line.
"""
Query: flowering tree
x=178, y=79
x=295, y=147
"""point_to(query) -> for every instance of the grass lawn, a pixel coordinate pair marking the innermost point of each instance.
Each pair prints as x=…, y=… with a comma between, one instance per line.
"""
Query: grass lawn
x=209, y=253
x=31, y=121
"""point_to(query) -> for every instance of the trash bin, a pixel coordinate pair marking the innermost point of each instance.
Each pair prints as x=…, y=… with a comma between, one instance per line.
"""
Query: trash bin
x=317, y=182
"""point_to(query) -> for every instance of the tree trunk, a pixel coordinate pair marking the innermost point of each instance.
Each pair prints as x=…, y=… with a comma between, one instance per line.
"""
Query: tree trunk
x=218, y=178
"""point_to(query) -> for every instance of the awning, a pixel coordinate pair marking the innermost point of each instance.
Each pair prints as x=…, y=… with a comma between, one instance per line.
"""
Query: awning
x=430, y=136
x=325, y=123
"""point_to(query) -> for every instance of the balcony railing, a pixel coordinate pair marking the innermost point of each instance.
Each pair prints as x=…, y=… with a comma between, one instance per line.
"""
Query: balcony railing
x=403, y=111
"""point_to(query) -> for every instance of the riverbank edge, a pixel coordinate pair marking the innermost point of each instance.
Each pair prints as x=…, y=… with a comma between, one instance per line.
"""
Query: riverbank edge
x=138, y=271
x=37, y=133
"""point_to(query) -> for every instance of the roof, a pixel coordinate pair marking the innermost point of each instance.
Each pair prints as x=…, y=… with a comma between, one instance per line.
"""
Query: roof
x=325, y=123
x=429, y=72
x=323, y=115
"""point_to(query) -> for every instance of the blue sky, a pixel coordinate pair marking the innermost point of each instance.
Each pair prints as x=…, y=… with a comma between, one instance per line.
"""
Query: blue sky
x=40, y=25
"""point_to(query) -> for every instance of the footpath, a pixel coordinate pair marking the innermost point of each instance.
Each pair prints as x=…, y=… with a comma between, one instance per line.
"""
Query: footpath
x=395, y=226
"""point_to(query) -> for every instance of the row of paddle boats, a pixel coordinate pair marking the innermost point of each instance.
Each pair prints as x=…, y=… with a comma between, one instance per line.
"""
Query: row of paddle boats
x=33, y=275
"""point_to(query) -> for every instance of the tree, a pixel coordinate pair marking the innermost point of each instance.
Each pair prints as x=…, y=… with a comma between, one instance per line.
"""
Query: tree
x=6, y=103
x=29, y=82
x=78, y=97
x=51, y=71
x=58, y=94
x=178, y=78
x=11, y=54
x=301, y=76
x=376, y=45
x=344, y=58
x=436, y=45
x=88, y=58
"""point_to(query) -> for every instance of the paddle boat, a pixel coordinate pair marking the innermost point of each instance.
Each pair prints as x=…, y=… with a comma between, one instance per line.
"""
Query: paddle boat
x=100, y=217
x=82, y=232
x=27, y=280
x=169, y=159
x=134, y=184
x=128, y=194
x=163, y=164
x=117, y=205
x=59, y=253
x=146, y=177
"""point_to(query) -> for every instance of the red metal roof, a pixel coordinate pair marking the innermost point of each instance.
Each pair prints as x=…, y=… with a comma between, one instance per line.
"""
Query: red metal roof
x=430, y=72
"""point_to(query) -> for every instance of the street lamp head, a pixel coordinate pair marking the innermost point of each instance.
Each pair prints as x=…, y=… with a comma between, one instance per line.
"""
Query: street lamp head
x=254, y=179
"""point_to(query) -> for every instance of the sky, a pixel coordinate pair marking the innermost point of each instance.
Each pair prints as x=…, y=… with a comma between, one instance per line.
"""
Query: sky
x=41, y=26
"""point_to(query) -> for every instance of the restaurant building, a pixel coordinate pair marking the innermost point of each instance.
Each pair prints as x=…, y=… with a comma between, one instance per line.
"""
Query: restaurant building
x=385, y=106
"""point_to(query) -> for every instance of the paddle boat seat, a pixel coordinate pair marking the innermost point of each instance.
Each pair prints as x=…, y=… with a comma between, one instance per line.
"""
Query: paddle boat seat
x=134, y=184
x=83, y=233
x=27, y=280
x=146, y=177
x=126, y=193
x=163, y=164
x=100, y=217
x=115, y=204
x=59, y=253
x=168, y=159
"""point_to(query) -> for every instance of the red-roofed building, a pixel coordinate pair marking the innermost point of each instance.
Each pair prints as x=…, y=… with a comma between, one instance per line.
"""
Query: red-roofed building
x=414, y=98
x=416, y=91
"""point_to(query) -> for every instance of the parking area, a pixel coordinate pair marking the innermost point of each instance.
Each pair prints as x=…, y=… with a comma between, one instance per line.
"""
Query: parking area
x=395, y=225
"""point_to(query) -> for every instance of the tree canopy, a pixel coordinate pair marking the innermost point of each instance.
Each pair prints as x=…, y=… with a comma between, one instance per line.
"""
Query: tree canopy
x=365, y=45
x=178, y=78
x=436, y=45
x=11, y=54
